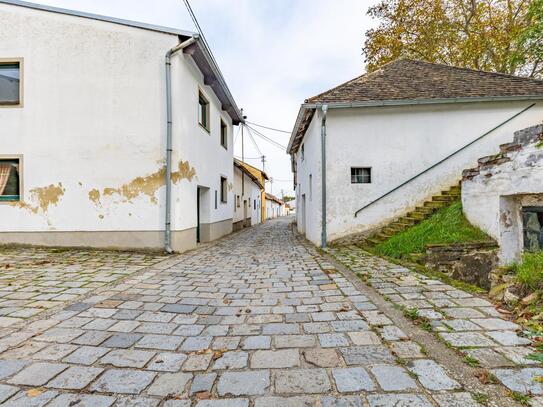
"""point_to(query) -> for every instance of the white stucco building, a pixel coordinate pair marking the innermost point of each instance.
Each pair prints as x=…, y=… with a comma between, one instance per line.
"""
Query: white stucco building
x=248, y=189
x=85, y=132
x=397, y=136
x=503, y=195
x=275, y=207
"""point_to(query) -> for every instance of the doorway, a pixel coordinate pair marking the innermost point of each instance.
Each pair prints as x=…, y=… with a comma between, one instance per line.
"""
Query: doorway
x=203, y=211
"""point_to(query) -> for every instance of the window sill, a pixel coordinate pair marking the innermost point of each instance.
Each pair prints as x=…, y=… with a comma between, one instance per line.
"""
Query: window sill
x=10, y=198
x=204, y=128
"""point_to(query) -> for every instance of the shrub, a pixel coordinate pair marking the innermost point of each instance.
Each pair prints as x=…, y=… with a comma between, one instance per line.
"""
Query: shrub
x=530, y=270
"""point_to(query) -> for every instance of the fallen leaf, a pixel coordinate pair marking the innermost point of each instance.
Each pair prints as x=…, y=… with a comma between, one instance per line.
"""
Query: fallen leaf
x=203, y=395
x=34, y=392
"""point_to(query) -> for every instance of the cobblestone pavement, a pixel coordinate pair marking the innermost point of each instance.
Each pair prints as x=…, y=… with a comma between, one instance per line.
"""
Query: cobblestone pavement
x=33, y=280
x=258, y=319
x=468, y=323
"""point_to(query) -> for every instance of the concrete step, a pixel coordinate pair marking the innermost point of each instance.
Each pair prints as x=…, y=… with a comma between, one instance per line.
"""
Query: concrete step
x=444, y=198
x=435, y=204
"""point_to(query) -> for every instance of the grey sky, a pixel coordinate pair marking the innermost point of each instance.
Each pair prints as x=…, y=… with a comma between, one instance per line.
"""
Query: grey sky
x=273, y=54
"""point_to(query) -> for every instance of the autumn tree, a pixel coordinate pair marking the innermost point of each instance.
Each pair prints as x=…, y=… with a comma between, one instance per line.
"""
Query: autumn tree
x=490, y=35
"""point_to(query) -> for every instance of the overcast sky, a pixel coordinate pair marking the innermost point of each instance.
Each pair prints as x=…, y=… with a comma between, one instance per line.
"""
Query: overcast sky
x=273, y=54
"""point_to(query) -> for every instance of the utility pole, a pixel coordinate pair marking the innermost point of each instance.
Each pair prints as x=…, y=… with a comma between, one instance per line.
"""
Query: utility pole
x=242, y=155
x=271, y=185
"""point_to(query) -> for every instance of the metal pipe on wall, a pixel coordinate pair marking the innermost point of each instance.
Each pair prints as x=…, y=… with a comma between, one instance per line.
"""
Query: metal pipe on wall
x=169, y=131
x=323, y=173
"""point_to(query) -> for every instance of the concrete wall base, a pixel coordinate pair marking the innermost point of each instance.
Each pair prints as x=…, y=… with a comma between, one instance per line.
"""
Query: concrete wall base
x=213, y=231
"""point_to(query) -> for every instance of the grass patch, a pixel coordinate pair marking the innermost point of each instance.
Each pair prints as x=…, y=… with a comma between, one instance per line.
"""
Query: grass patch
x=530, y=270
x=447, y=225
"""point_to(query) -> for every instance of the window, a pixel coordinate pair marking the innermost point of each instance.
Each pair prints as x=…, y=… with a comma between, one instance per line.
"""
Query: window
x=203, y=111
x=310, y=187
x=10, y=180
x=254, y=203
x=224, y=189
x=360, y=175
x=302, y=152
x=10, y=83
x=216, y=206
x=532, y=219
x=224, y=134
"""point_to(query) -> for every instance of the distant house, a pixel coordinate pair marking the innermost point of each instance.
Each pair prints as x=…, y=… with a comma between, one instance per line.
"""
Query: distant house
x=124, y=138
x=249, y=191
x=394, y=137
x=275, y=207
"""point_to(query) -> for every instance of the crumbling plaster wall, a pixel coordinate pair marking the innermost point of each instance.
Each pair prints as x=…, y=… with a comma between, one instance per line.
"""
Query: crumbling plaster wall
x=493, y=199
x=93, y=127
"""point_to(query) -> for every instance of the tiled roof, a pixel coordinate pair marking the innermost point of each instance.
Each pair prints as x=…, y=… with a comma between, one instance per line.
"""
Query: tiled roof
x=408, y=79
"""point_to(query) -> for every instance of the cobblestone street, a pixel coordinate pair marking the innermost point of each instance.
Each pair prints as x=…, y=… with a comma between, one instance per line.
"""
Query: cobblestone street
x=261, y=318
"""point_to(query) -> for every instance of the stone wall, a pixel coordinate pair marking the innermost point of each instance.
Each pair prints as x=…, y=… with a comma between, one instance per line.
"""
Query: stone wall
x=468, y=262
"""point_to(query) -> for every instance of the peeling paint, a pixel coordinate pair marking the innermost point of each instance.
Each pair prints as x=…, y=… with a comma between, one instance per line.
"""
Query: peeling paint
x=147, y=185
x=101, y=216
x=43, y=198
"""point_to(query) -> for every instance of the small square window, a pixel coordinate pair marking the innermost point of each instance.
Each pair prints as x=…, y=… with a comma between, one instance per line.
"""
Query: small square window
x=203, y=111
x=361, y=175
x=224, y=134
x=10, y=180
x=302, y=152
x=10, y=83
x=224, y=189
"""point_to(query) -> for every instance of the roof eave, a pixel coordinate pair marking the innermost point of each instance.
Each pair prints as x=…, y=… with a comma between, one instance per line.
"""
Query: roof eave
x=398, y=102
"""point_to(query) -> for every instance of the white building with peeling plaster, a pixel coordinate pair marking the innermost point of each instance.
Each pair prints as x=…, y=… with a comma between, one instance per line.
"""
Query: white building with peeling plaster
x=372, y=149
x=84, y=124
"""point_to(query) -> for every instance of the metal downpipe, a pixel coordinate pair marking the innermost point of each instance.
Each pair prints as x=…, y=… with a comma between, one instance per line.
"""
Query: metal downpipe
x=169, y=131
x=323, y=173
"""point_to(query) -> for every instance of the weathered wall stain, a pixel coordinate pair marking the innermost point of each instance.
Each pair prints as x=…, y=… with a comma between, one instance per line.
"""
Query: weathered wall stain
x=146, y=185
x=42, y=198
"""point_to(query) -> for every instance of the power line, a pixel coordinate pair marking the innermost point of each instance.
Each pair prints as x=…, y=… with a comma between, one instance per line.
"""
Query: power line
x=253, y=140
x=269, y=128
x=200, y=31
x=269, y=140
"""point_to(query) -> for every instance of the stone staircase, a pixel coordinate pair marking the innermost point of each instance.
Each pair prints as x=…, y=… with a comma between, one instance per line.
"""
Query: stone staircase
x=420, y=213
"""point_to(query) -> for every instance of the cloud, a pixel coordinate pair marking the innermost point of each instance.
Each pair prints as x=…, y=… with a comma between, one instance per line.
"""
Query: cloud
x=273, y=53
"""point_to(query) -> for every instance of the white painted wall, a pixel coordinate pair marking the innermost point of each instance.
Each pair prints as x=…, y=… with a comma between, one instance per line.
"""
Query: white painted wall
x=398, y=143
x=94, y=118
x=493, y=199
x=309, y=221
x=251, y=194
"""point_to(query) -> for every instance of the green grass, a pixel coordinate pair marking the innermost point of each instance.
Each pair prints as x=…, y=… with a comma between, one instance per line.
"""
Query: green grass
x=530, y=270
x=447, y=225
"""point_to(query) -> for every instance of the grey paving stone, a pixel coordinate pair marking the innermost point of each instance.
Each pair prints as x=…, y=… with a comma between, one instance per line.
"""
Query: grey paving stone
x=60, y=335
x=522, y=381
x=432, y=376
x=393, y=378
x=22, y=399
x=7, y=391
x=392, y=333
x=92, y=338
x=333, y=340
x=86, y=355
x=177, y=403
x=167, y=362
x=123, y=381
x=460, y=313
x=296, y=401
x=275, y=359
x=345, y=401
x=489, y=358
x=467, y=339
x=202, y=382
x=398, y=400
x=10, y=367
x=161, y=342
x=169, y=384
x=462, y=325
x=37, y=374
x=243, y=383
x=64, y=400
x=196, y=343
x=127, y=358
x=197, y=362
x=366, y=355
x=231, y=360
x=189, y=330
x=295, y=341
x=257, y=342
x=178, y=308
x=54, y=352
x=139, y=401
x=507, y=338
x=224, y=403
x=496, y=324
x=352, y=379
x=364, y=338
x=122, y=340
x=317, y=328
x=75, y=378
x=304, y=381
x=349, y=326
x=280, y=329
x=455, y=400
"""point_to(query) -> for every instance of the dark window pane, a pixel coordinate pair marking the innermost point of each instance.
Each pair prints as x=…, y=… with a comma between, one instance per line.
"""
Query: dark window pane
x=532, y=218
x=10, y=83
x=361, y=175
